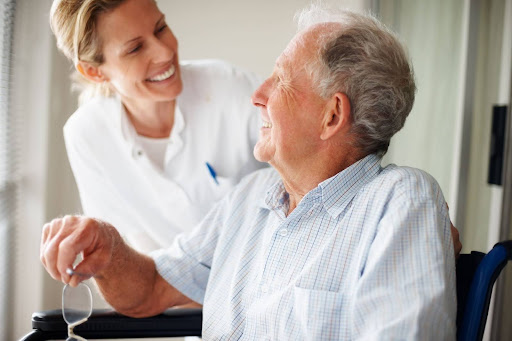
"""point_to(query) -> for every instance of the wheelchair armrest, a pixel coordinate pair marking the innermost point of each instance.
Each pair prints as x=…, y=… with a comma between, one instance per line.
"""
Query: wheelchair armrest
x=479, y=295
x=106, y=323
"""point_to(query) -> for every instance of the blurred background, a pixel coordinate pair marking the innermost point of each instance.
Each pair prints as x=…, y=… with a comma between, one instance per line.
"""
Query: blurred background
x=462, y=55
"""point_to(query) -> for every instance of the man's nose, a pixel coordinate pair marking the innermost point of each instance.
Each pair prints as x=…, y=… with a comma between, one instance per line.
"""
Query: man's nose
x=260, y=96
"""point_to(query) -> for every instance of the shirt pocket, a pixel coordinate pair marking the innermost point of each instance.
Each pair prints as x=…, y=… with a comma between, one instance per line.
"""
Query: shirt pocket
x=318, y=313
x=220, y=185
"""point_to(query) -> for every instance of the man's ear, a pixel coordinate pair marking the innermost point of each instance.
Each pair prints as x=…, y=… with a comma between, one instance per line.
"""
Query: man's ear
x=337, y=115
x=91, y=72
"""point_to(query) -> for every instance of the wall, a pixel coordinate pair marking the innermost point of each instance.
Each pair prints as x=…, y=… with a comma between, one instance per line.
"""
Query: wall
x=250, y=34
x=427, y=140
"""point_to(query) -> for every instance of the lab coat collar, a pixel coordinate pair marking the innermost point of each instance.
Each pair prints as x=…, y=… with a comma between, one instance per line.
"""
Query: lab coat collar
x=130, y=134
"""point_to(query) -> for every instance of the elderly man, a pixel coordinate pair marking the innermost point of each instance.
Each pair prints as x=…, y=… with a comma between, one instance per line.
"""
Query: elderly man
x=325, y=245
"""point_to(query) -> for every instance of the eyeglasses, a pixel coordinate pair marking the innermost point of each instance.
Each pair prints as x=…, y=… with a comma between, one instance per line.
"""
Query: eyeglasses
x=76, y=306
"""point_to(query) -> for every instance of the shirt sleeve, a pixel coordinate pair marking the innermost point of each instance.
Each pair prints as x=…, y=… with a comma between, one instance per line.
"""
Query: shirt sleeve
x=187, y=263
x=407, y=287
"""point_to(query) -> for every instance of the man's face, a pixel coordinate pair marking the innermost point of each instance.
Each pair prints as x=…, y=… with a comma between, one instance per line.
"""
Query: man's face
x=290, y=108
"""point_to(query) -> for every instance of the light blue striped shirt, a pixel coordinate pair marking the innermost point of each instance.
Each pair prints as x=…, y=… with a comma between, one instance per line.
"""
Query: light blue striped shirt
x=367, y=254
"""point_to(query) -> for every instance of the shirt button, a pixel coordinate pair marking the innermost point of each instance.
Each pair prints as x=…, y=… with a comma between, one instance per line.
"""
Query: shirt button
x=264, y=289
x=283, y=232
x=137, y=153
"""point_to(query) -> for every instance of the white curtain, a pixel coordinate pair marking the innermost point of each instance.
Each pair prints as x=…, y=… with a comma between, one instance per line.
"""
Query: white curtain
x=9, y=175
x=432, y=31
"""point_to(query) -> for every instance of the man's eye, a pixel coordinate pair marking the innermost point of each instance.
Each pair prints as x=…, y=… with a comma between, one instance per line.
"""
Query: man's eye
x=162, y=28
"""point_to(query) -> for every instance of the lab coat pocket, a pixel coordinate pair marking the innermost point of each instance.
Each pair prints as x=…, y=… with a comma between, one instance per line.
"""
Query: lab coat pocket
x=219, y=185
x=317, y=312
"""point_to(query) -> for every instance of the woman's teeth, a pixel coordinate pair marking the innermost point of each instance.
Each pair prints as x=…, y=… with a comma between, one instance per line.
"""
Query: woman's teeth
x=165, y=75
x=267, y=124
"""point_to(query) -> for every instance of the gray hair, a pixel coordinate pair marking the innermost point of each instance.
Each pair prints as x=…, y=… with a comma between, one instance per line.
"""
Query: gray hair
x=367, y=62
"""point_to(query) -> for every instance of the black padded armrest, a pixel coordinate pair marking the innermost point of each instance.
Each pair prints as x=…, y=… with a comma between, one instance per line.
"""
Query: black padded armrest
x=105, y=324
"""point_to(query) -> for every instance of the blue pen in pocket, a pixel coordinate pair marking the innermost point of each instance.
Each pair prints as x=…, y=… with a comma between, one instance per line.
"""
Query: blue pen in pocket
x=212, y=173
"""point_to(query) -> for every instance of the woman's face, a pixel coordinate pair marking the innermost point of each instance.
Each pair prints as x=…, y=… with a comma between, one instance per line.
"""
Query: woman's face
x=140, y=52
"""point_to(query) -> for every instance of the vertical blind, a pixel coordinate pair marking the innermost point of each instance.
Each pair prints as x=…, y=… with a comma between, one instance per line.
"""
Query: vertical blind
x=9, y=173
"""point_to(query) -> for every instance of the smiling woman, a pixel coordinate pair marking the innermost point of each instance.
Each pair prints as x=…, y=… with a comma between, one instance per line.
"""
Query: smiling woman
x=139, y=148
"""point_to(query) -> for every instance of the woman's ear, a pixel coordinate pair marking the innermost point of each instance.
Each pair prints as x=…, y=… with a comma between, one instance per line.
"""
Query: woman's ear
x=337, y=115
x=91, y=72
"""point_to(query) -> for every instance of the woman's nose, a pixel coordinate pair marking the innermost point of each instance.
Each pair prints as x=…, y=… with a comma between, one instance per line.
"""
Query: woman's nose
x=162, y=51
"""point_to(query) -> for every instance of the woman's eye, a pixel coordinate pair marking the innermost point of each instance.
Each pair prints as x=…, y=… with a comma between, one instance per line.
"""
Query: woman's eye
x=135, y=49
x=162, y=28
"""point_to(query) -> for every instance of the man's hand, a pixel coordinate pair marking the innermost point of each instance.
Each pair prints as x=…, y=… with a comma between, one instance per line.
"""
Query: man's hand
x=64, y=238
x=127, y=279
x=457, y=245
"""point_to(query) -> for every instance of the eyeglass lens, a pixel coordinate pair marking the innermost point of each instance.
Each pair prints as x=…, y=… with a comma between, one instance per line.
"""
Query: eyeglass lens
x=76, y=307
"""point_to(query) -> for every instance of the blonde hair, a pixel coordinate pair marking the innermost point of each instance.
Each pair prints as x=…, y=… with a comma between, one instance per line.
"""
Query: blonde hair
x=74, y=24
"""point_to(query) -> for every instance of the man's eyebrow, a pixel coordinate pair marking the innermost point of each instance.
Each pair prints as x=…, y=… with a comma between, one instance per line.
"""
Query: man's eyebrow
x=281, y=70
x=278, y=67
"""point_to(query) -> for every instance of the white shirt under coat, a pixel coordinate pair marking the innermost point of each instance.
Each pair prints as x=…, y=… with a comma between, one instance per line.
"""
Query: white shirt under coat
x=149, y=203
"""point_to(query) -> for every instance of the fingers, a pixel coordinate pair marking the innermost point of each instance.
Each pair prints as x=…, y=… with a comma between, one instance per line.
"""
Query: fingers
x=53, y=233
x=74, y=243
x=77, y=277
x=62, y=240
x=85, y=270
x=100, y=253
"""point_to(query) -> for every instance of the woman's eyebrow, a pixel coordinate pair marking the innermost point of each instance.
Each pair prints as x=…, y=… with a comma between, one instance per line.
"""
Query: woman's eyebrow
x=159, y=21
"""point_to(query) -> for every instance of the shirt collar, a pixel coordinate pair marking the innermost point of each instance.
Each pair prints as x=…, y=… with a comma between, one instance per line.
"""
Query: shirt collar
x=335, y=192
x=130, y=134
x=338, y=191
x=276, y=196
x=127, y=129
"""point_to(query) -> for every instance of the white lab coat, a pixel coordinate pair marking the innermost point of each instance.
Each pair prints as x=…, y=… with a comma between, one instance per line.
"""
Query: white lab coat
x=214, y=122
